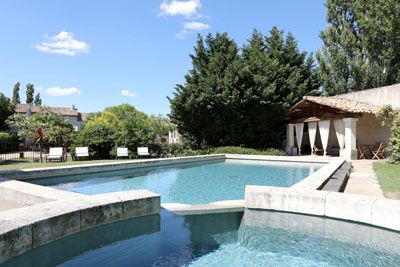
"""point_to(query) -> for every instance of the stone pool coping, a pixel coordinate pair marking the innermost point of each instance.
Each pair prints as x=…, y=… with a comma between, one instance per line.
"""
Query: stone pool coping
x=375, y=211
x=32, y=173
x=213, y=207
x=25, y=228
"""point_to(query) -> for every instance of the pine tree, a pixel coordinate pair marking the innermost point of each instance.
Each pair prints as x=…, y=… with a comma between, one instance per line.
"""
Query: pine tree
x=29, y=93
x=232, y=98
x=38, y=100
x=15, y=97
x=361, y=46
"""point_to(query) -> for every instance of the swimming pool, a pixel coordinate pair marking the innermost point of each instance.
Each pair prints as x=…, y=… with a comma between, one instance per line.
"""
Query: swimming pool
x=194, y=183
x=255, y=238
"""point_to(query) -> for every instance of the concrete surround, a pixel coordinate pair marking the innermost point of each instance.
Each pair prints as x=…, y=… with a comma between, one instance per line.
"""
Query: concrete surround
x=358, y=208
x=32, y=226
x=332, y=229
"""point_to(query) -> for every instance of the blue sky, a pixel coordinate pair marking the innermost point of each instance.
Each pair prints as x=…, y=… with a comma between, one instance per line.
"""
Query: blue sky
x=95, y=54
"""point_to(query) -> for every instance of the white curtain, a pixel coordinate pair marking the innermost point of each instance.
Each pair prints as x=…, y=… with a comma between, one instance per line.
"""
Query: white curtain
x=339, y=127
x=312, y=132
x=299, y=134
x=324, y=131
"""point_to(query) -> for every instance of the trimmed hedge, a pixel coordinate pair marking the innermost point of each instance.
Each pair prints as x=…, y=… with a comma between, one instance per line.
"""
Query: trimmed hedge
x=247, y=151
x=176, y=150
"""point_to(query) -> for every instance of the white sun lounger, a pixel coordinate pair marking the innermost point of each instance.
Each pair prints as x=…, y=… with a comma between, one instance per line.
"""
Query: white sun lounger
x=143, y=151
x=55, y=153
x=122, y=152
x=81, y=152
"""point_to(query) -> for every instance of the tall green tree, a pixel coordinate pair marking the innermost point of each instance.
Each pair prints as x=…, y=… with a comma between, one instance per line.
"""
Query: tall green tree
x=239, y=98
x=15, y=96
x=6, y=110
x=29, y=93
x=38, y=100
x=361, y=48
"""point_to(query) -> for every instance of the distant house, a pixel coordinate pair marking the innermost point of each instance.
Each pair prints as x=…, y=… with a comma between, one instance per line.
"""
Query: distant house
x=174, y=137
x=75, y=117
x=340, y=125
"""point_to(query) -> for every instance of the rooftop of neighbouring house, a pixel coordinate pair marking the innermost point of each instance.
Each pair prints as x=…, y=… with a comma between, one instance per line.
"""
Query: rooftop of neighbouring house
x=64, y=111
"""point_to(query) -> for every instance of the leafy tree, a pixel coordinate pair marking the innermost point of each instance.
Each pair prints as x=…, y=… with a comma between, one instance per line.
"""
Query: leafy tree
x=394, y=147
x=361, y=46
x=116, y=126
x=38, y=100
x=239, y=99
x=15, y=97
x=99, y=137
x=6, y=110
x=386, y=115
x=29, y=93
x=135, y=129
x=45, y=128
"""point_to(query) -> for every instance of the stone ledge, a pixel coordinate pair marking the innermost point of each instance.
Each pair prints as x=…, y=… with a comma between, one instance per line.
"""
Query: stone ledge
x=28, y=227
x=318, y=178
x=358, y=208
x=213, y=207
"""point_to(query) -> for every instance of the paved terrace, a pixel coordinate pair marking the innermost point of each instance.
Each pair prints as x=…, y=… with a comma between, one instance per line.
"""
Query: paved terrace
x=363, y=180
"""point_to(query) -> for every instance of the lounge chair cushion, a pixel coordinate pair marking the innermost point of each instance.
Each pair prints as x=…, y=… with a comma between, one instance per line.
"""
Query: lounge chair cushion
x=143, y=151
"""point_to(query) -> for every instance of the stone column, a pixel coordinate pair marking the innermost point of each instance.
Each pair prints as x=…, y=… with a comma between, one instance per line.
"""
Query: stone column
x=289, y=138
x=350, y=138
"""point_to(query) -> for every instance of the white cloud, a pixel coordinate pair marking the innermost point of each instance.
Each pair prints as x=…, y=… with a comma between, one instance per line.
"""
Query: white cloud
x=58, y=91
x=63, y=43
x=191, y=27
x=127, y=93
x=184, y=8
x=195, y=26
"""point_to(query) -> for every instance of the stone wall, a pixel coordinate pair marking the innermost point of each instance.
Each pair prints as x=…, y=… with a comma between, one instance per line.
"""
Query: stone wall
x=371, y=131
x=388, y=95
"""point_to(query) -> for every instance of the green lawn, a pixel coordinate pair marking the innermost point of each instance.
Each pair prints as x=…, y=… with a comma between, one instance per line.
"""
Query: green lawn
x=389, y=178
x=27, y=164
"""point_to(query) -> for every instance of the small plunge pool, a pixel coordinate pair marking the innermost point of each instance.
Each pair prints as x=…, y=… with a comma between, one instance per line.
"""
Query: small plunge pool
x=252, y=238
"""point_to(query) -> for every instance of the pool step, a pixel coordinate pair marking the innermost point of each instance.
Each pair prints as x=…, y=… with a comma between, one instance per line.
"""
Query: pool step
x=338, y=181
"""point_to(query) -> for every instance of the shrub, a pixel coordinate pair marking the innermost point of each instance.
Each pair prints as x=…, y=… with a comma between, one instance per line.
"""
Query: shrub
x=99, y=138
x=172, y=150
x=394, y=147
x=247, y=151
x=5, y=137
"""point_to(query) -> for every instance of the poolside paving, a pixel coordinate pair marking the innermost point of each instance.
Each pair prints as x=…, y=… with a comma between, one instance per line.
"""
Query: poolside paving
x=6, y=204
x=363, y=180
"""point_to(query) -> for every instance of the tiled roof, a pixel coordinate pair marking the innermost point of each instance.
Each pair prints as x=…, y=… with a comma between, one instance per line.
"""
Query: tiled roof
x=344, y=104
x=84, y=115
x=23, y=108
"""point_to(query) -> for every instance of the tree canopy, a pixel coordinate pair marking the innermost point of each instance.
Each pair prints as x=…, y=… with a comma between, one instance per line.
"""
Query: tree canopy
x=38, y=100
x=236, y=96
x=29, y=93
x=45, y=128
x=6, y=110
x=361, y=45
x=118, y=126
x=15, y=96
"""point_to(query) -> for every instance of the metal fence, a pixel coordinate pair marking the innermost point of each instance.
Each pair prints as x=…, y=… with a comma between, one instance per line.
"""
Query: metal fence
x=18, y=152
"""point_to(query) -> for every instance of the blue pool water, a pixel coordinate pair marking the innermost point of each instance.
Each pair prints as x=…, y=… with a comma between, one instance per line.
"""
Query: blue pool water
x=188, y=183
x=257, y=238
